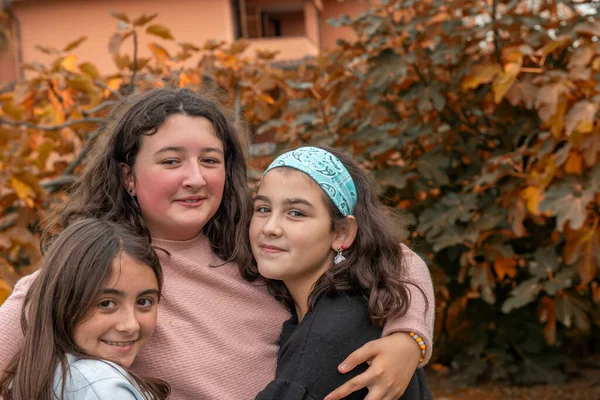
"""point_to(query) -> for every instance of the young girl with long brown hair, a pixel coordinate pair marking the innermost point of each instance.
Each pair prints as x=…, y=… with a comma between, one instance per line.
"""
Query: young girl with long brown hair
x=321, y=236
x=170, y=164
x=91, y=309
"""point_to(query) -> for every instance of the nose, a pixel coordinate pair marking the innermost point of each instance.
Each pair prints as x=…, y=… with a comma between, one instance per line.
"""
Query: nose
x=128, y=322
x=194, y=178
x=272, y=226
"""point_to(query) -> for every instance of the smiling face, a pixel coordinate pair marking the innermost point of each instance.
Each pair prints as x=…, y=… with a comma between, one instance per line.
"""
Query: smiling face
x=178, y=177
x=123, y=319
x=290, y=232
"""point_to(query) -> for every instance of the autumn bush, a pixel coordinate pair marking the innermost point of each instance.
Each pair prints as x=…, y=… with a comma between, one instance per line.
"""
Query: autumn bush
x=477, y=119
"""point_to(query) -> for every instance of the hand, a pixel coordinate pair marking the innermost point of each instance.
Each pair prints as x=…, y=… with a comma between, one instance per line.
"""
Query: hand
x=392, y=362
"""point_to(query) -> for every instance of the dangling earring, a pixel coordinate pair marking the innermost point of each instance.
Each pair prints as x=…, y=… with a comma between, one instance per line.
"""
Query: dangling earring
x=339, y=257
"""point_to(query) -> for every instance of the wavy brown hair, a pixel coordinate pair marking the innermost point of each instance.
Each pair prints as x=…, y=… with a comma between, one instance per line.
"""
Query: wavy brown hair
x=73, y=273
x=101, y=192
x=374, y=265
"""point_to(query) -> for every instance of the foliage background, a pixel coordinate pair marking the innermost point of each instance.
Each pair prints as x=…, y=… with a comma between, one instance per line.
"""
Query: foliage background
x=479, y=121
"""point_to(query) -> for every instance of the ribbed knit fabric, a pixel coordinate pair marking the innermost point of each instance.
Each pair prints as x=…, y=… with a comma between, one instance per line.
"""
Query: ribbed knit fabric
x=217, y=335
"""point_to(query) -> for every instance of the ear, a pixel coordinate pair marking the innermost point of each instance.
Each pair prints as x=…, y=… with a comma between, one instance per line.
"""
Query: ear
x=344, y=233
x=127, y=176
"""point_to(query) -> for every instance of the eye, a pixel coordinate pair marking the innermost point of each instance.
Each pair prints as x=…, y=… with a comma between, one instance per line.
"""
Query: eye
x=296, y=213
x=145, y=302
x=262, y=209
x=211, y=161
x=169, y=161
x=107, y=304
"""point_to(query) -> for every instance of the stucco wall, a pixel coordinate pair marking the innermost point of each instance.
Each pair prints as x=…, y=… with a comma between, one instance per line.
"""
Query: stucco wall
x=333, y=8
x=57, y=22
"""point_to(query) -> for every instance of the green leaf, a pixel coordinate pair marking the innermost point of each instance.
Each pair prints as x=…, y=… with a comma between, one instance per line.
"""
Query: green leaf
x=523, y=294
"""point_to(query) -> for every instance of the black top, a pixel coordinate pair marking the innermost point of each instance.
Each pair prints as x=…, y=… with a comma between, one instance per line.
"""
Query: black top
x=311, y=351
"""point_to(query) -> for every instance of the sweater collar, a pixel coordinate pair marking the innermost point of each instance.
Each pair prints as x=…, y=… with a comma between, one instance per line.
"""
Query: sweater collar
x=199, y=242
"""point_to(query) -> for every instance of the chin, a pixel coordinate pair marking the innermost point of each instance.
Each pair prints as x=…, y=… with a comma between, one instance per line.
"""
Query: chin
x=269, y=273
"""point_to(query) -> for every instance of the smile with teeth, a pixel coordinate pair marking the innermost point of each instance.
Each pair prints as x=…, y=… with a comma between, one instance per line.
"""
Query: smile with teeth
x=119, y=344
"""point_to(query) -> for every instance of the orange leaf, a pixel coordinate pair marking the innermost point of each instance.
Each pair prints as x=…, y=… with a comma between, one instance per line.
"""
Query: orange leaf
x=547, y=315
x=480, y=74
x=533, y=196
x=574, y=164
x=5, y=291
x=69, y=62
x=587, y=264
x=23, y=190
x=505, y=267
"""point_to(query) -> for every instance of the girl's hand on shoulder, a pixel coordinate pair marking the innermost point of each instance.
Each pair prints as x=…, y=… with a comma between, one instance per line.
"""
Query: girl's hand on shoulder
x=392, y=362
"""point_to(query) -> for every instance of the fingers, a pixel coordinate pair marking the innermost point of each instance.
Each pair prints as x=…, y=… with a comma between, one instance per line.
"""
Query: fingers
x=358, y=382
x=363, y=354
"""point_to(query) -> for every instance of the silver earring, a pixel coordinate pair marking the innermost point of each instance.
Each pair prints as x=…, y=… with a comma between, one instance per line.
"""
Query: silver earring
x=339, y=257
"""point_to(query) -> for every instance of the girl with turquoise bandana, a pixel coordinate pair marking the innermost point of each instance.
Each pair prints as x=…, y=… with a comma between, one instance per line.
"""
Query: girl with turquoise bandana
x=321, y=237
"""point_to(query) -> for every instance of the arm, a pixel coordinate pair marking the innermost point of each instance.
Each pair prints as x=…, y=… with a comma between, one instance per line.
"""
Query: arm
x=11, y=335
x=421, y=312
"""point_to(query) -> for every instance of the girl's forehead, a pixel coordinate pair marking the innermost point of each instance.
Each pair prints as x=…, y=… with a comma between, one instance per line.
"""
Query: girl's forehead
x=183, y=131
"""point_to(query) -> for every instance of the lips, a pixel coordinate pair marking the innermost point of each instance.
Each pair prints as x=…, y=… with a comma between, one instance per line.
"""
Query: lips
x=271, y=249
x=119, y=344
x=191, y=200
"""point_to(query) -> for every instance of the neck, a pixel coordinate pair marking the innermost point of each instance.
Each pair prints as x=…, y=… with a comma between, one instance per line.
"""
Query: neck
x=300, y=292
x=301, y=287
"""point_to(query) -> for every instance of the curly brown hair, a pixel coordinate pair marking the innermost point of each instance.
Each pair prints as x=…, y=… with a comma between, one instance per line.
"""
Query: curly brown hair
x=101, y=192
x=373, y=265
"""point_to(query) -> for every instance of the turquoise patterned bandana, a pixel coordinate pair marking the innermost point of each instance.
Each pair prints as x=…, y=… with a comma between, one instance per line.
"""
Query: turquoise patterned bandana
x=325, y=169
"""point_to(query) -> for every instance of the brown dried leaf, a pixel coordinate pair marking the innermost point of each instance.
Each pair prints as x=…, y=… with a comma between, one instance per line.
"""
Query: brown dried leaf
x=581, y=117
x=161, y=31
x=114, y=43
x=74, y=44
x=120, y=16
x=582, y=56
x=89, y=69
x=144, y=19
x=587, y=264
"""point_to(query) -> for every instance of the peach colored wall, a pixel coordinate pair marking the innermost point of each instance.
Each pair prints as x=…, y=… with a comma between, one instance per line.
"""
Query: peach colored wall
x=57, y=22
x=311, y=21
x=333, y=9
x=289, y=48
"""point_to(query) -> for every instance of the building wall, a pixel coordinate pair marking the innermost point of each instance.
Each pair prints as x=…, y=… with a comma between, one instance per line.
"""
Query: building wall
x=57, y=22
x=334, y=9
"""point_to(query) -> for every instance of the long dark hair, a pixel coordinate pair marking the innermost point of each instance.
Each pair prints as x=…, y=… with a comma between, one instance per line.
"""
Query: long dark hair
x=76, y=268
x=101, y=192
x=374, y=265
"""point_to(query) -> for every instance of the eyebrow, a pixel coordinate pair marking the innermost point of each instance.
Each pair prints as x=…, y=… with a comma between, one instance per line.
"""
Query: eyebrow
x=181, y=149
x=290, y=201
x=120, y=293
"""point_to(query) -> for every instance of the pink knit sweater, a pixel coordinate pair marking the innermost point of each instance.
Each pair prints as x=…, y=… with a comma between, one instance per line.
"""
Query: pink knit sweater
x=217, y=335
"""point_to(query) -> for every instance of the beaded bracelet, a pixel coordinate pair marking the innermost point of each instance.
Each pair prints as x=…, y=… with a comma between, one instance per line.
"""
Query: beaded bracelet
x=421, y=344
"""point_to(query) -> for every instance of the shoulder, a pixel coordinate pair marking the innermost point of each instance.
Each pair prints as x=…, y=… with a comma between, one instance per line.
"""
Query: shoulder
x=97, y=379
x=340, y=315
x=413, y=262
